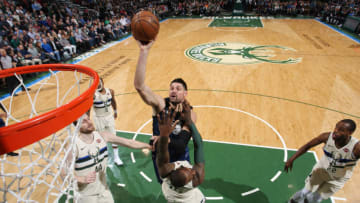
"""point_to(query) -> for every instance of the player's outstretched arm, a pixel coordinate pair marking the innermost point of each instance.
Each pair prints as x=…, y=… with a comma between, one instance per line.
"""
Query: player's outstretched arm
x=199, y=157
x=109, y=137
x=166, y=126
x=322, y=138
x=113, y=102
x=146, y=94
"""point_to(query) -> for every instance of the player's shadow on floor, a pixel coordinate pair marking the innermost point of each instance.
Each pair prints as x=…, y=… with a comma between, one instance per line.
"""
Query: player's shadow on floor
x=233, y=191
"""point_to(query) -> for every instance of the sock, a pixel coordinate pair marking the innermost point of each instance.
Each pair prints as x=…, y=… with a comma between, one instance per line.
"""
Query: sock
x=117, y=159
x=314, y=197
x=300, y=195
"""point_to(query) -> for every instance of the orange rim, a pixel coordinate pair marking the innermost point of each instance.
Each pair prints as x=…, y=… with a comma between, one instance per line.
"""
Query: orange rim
x=24, y=133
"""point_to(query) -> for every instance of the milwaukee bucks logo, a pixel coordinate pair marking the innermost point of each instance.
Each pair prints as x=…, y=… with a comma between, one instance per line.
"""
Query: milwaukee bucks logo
x=239, y=54
x=96, y=158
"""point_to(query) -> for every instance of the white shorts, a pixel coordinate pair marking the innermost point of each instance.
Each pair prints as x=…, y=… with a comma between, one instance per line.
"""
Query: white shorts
x=196, y=196
x=104, y=197
x=105, y=123
x=321, y=182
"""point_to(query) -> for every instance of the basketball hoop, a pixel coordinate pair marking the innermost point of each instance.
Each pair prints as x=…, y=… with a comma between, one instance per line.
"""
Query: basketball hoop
x=27, y=132
x=44, y=140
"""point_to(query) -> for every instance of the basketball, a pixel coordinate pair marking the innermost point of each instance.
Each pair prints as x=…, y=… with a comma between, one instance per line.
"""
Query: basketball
x=144, y=26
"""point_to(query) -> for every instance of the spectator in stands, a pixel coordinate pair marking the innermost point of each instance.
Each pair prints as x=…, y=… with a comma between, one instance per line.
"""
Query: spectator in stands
x=15, y=57
x=72, y=38
x=124, y=24
x=14, y=41
x=31, y=33
x=85, y=38
x=35, y=54
x=43, y=55
x=25, y=36
x=25, y=58
x=4, y=44
x=74, y=21
x=36, y=6
x=71, y=49
x=94, y=36
x=79, y=42
x=55, y=45
x=4, y=26
x=101, y=32
x=37, y=38
x=7, y=63
x=54, y=55
x=22, y=40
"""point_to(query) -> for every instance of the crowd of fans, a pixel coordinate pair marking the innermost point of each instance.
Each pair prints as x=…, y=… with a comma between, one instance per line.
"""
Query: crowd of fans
x=45, y=31
x=335, y=11
x=200, y=8
x=53, y=31
x=330, y=11
x=284, y=8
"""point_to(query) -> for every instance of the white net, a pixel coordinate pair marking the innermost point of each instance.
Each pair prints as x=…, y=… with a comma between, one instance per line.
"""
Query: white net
x=41, y=172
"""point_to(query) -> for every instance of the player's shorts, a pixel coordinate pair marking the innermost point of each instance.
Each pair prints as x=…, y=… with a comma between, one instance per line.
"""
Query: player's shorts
x=321, y=182
x=104, y=197
x=195, y=197
x=105, y=123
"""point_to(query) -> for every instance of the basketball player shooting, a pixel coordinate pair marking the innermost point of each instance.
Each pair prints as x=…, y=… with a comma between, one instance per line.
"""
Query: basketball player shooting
x=180, y=137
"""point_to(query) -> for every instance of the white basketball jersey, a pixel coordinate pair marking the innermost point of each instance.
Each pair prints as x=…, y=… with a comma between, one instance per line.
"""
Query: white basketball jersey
x=91, y=157
x=339, y=162
x=102, y=103
x=187, y=193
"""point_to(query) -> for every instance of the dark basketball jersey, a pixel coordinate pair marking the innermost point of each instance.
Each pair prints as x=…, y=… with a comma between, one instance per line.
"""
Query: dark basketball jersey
x=178, y=149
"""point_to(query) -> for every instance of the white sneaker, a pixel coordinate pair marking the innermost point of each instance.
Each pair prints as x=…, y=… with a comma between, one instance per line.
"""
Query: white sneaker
x=118, y=162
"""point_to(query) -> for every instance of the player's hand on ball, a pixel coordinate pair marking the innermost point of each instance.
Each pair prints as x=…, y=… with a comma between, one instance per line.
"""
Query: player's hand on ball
x=145, y=47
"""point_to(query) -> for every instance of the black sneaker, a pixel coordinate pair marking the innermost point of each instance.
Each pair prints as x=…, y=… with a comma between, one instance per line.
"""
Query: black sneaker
x=13, y=154
x=292, y=201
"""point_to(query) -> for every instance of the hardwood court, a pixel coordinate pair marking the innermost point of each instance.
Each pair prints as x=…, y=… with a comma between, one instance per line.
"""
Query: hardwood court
x=300, y=100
